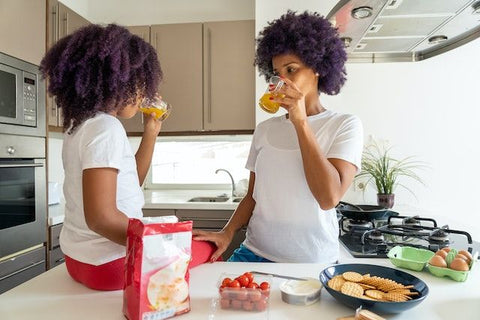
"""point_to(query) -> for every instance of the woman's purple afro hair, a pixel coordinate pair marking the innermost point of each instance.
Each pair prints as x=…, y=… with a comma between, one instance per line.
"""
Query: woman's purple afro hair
x=99, y=68
x=313, y=39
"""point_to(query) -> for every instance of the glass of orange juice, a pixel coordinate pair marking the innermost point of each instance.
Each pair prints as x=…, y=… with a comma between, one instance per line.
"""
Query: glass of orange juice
x=160, y=108
x=274, y=85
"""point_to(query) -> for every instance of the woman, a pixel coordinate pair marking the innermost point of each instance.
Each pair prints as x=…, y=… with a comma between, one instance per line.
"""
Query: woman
x=301, y=163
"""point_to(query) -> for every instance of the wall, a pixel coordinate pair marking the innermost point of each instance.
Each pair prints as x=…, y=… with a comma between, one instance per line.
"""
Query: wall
x=428, y=109
x=145, y=12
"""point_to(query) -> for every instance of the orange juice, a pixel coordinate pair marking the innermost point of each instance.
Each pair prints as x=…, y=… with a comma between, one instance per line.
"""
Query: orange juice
x=268, y=105
x=156, y=111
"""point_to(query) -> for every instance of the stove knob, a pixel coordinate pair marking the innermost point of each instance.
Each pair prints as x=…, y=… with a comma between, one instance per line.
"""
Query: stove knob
x=10, y=150
x=382, y=247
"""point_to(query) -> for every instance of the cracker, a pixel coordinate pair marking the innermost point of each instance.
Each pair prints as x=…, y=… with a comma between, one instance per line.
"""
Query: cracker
x=352, y=276
x=376, y=294
x=395, y=297
x=336, y=283
x=352, y=289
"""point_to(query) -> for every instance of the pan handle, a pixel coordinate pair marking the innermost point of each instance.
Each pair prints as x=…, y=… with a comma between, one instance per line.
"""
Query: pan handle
x=351, y=205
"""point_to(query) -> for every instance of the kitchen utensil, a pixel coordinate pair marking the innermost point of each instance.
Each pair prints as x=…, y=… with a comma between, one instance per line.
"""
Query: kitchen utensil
x=410, y=257
x=380, y=271
x=363, y=212
x=279, y=276
x=301, y=293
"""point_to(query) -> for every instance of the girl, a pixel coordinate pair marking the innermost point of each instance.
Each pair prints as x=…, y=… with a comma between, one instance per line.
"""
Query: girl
x=96, y=75
x=301, y=163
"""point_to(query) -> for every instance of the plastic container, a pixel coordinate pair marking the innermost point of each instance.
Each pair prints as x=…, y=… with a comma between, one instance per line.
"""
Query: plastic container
x=253, y=302
x=409, y=257
x=301, y=293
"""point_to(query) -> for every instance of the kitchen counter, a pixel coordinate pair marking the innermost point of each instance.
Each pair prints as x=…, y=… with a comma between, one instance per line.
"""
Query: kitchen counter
x=54, y=295
x=162, y=199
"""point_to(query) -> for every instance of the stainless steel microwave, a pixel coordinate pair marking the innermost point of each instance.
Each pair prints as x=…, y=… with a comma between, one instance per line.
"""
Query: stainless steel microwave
x=22, y=98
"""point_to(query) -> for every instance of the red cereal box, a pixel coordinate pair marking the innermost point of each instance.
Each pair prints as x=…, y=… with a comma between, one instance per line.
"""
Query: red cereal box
x=156, y=274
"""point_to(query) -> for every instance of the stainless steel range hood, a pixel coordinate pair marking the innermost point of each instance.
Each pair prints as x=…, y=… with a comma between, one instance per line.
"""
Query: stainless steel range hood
x=404, y=30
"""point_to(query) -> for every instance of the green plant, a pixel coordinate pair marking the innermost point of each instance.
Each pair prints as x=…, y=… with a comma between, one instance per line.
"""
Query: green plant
x=384, y=171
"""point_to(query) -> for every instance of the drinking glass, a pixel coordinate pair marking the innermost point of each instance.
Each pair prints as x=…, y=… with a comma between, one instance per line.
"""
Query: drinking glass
x=160, y=108
x=274, y=85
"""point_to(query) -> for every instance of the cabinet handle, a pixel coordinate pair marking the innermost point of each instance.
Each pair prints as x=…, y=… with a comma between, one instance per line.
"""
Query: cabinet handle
x=209, y=75
x=55, y=25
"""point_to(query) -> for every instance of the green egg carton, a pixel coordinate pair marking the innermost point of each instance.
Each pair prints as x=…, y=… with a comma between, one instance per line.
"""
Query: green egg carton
x=410, y=257
x=459, y=276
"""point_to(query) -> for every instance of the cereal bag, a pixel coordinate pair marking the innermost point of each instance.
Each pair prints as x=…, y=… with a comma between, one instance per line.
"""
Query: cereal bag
x=156, y=275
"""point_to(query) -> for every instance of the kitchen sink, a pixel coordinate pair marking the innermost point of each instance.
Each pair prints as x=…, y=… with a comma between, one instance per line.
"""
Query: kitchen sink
x=209, y=199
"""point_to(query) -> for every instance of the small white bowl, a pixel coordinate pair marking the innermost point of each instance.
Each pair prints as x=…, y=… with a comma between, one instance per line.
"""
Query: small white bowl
x=301, y=293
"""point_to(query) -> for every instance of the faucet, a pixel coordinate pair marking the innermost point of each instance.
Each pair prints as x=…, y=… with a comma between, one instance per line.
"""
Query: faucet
x=231, y=178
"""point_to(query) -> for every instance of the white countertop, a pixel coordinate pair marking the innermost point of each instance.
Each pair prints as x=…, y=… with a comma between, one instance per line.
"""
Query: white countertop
x=163, y=199
x=54, y=295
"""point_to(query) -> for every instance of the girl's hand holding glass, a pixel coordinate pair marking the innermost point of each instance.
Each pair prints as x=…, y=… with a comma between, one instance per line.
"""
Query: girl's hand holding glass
x=159, y=108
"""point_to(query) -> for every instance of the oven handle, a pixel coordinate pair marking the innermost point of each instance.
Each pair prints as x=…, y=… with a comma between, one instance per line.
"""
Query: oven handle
x=21, y=270
x=21, y=165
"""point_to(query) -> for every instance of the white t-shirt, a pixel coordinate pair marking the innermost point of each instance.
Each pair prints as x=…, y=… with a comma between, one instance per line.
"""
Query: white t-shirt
x=287, y=224
x=99, y=142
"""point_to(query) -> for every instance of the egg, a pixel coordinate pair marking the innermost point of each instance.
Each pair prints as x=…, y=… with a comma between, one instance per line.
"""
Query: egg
x=438, y=261
x=446, y=249
x=466, y=254
x=441, y=253
x=459, y=264
x=461, y=256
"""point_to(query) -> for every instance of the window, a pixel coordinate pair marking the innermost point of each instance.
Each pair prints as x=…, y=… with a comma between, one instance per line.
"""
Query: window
x=191, y=162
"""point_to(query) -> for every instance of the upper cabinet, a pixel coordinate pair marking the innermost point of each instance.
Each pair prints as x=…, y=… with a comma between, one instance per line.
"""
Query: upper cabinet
x=209, y=77
x=22, y=29
x=62, y=21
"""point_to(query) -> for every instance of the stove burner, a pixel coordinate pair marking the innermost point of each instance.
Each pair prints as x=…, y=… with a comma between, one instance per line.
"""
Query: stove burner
x=376, y=237
x=358, y=223
x=349, y=225
x=411, y=221
x=438, y=236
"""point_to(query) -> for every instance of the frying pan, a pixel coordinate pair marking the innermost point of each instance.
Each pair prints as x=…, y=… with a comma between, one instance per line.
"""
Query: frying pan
x=363, y=212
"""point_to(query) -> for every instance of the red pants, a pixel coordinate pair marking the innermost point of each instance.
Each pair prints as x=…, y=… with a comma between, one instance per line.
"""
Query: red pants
x=110, y=276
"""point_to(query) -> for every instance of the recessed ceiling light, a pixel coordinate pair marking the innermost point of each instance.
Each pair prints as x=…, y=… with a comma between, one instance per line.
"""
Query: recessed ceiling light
x=346, y=41
x=362, y=12
x=437, y=39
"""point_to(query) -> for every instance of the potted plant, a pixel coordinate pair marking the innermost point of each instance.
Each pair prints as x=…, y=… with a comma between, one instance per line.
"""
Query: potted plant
x=384, y=171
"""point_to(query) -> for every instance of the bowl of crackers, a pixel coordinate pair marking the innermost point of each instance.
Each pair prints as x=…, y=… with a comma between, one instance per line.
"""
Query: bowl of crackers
x=376, y=288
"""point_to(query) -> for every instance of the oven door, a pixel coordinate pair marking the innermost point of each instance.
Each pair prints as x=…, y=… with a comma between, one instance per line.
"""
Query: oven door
x=23, y=206
x=11, y=100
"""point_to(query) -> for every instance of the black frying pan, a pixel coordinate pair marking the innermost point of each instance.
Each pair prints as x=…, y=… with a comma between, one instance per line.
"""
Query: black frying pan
x=363, y=212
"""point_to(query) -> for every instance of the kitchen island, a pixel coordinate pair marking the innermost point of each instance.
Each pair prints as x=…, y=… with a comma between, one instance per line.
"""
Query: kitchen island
x=54, y=295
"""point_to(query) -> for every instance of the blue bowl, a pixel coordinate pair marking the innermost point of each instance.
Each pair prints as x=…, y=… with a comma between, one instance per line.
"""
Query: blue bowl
x=379, y=271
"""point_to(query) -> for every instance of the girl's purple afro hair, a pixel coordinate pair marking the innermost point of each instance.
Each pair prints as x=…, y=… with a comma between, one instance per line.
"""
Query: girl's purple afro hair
x=313, y=39
x=99, y=68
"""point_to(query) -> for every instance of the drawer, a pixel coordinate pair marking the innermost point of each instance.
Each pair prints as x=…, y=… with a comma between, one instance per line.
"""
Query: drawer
x=56, y=257
x=23, y=261
x=158, y=212
x=25, y=274
x=185, y=214
x=55, y=235
x=201, y=223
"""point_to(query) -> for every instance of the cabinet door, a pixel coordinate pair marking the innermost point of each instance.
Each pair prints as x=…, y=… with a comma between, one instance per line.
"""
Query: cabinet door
x=229, y=75
x=179, y=49
x=135, y=124
x=62, y=22
x=22, y=29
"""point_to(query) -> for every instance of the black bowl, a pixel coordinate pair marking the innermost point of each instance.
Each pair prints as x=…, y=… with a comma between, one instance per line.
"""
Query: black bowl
x=379, y=271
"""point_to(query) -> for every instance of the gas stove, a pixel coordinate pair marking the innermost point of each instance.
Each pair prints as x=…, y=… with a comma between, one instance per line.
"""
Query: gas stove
x=373, y=239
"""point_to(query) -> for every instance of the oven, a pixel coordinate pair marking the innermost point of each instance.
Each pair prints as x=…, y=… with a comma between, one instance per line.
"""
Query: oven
x=23, y=173
x=23, y=208
x=22, y=96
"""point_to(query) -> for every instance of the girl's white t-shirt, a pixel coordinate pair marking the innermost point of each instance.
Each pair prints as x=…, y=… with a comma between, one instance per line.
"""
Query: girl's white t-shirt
x=99, y=142
x=287, y=224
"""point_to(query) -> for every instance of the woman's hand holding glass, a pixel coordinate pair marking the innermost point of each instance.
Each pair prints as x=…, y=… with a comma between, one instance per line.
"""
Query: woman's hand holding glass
x=293, y=100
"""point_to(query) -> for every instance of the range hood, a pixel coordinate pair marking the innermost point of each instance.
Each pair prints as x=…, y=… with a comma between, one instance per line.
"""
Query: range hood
x=404, y=30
